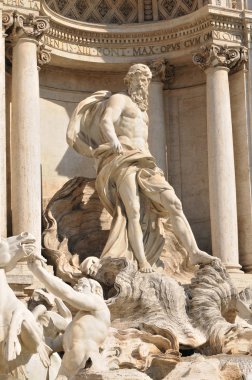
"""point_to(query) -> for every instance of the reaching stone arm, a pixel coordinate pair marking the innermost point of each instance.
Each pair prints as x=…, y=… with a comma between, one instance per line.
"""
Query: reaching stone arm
x=60, y=289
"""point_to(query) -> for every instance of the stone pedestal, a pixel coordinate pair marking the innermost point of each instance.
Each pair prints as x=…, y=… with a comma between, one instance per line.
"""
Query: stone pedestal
x=214, y=60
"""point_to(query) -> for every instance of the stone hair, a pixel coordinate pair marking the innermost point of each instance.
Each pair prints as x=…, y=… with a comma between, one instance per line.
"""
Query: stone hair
x=137, y=68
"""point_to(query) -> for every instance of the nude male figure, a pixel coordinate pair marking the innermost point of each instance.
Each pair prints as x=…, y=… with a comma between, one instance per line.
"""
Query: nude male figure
x=125, y=121
x=89, y=328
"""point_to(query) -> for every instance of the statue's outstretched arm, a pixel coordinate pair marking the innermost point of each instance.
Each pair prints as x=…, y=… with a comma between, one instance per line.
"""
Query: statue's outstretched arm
x=64, y=291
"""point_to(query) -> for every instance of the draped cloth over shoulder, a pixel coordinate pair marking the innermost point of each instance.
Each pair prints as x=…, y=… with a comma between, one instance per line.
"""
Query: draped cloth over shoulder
x=83, y=132
x=85, y=135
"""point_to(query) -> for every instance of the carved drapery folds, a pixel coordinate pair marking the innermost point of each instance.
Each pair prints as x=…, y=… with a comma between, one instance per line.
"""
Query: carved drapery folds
x=217, y=55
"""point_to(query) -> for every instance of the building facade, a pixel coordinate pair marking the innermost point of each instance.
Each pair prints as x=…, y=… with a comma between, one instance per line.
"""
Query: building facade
x=54, y=53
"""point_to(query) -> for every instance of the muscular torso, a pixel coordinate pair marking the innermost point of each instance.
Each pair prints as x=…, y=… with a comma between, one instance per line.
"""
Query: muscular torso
x=87, y=327
x=132, y=125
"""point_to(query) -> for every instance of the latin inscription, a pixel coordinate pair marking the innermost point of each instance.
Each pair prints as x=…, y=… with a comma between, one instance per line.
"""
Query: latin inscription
x=28, y=4
x=139, y=51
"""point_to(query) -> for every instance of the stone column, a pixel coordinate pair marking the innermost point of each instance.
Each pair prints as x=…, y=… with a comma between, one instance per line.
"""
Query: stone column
x=157, y=130
x=3, y=184
x=216, y=61
x=25, y=132
x=7, y=21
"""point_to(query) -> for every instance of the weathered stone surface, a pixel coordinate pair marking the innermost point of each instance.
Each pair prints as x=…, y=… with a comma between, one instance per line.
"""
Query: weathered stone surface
x=152, y=302
x=202, y=368
x=122, y=374
x=212, y=306
x=146, y=352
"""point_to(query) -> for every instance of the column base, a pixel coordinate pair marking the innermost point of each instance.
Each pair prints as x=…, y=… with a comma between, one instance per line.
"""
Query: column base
x=247, y=268
x=233, y=268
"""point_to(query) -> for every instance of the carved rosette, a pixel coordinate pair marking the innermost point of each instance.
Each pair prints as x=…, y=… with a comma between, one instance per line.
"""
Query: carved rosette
x=18, y=25
x=220, y=56
x=162, y=71
x=43, y=55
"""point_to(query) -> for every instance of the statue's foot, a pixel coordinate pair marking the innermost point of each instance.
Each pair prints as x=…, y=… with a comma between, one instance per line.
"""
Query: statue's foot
x=201, y=257
x=145, y=267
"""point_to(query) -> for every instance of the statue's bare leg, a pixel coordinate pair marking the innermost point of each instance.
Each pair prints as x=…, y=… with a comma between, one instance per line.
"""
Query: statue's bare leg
x=72, y=361
x=182, y=228
x=129, y=194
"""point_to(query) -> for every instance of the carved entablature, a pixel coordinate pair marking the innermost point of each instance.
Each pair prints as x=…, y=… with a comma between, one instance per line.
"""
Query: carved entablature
x=18, y=25
x=172, y=39
x=220, y=56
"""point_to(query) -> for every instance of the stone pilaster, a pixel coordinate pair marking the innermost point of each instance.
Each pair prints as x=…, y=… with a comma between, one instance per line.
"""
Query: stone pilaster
x=157, y=130
x=7, y=20
x=24, y=34
x=217, y=61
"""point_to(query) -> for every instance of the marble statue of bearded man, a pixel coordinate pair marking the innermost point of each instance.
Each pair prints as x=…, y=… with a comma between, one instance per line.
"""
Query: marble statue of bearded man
x=113, y=129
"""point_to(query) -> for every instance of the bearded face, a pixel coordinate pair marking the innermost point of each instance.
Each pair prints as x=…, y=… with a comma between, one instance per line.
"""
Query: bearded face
x=138, y=90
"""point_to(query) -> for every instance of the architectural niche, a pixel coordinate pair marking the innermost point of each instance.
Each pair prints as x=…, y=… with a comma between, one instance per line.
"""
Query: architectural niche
x=122, y=11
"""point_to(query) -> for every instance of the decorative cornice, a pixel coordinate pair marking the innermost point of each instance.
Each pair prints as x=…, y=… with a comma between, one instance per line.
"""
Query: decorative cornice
x=125, y=44
x=17, y=25
x=220, y=56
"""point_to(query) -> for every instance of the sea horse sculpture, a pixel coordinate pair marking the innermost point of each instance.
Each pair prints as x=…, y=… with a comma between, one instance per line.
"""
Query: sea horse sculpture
x=20, y=335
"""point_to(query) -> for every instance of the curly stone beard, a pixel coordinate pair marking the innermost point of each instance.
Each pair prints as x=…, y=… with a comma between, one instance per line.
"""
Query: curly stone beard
x=139, y=95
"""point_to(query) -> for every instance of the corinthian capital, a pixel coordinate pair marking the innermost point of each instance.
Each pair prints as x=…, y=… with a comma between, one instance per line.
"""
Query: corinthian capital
x=162, y=70
x=18, y=25
x=222, y=56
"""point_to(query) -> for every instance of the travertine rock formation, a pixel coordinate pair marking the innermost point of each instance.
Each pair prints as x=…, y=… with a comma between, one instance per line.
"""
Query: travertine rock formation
x=139, y=349
x=200, y=368
x=212, y=303
x=123, y=374
x=155, y=302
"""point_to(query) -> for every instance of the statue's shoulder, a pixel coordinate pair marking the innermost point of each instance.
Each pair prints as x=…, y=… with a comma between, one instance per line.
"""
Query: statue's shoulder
x=121, y=98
